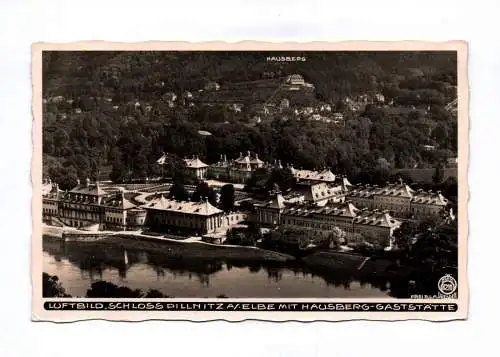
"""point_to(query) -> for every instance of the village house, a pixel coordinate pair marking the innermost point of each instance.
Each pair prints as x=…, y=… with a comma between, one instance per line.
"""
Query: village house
x=211, y=86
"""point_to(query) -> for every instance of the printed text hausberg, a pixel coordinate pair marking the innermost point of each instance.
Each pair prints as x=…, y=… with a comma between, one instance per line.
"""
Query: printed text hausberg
x=285, y=59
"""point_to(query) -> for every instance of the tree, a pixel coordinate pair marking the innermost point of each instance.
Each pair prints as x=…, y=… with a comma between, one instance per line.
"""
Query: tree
x=281, y=177
x=176, y=169
x=118, y=170
x=258, y=181
x=227, y=197
x=438, y=175
x=178, y=192
x=52, y=287
x=153, y=293
x=204, y=192
x=432, y=251
x=104, y=289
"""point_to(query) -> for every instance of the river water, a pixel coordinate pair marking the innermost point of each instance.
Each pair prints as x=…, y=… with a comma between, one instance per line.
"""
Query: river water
x=78, y=266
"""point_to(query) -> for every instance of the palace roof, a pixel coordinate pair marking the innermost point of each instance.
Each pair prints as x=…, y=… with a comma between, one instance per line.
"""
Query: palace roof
x=89, y=190
x=187, y=207
x=162, y=160
x=320, y=191
x=243, y=159
x=119, y=202
x=348, y=210
x=195, y=163
x=51, y=190
x=323, y=175
x=277, y=202
x=399, y=190
x=434, y=198
x=375, y=218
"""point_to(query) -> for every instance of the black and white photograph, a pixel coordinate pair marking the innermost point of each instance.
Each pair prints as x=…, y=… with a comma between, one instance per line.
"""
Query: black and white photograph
x=213, y=175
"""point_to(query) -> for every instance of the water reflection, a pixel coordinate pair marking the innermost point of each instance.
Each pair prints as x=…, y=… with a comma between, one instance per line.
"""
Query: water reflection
x=149, y=266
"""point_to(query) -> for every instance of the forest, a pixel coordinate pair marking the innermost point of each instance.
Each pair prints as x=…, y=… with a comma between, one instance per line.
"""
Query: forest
x=109, y=113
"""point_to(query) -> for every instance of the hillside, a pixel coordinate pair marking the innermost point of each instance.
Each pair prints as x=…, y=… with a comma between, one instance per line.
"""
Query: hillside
x=123, y=75
x=111, y=109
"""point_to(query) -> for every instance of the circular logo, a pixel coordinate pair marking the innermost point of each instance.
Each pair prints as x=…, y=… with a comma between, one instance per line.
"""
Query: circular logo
x=447, y=285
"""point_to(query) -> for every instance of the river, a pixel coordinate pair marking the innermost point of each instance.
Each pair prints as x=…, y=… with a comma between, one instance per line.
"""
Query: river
x=79, y=265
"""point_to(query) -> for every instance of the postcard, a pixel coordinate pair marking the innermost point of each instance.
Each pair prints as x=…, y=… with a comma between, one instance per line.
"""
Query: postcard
x=250, y=181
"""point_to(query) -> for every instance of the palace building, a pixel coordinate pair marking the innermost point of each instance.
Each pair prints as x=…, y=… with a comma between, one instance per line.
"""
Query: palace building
x=238, y=170
x=196, y=167
x=170, y=216
x=400, y=199
x=88, y=206
x=379, y=225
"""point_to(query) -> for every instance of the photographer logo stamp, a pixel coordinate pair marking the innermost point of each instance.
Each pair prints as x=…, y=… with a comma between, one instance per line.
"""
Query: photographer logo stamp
x=447, y=285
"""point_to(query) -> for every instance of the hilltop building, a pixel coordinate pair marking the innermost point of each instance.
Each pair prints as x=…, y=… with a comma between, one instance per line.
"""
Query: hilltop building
x=295, y=80
x=211, y=86
x=400, y=199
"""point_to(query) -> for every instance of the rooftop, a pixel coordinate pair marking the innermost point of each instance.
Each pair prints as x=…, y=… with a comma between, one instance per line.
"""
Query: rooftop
x=119, y=202
x=399, y=190
x=88, y=189
x=188, y=207
x=374, y=218
x=195, y=163
x=324, y=175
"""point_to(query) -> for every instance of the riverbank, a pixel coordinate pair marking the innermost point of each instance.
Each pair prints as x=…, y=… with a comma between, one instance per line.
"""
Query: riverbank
x=187, y=248
x=194, y=248
x=358, y=264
